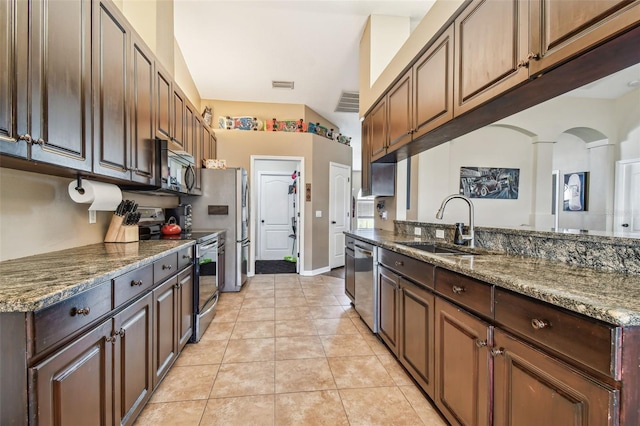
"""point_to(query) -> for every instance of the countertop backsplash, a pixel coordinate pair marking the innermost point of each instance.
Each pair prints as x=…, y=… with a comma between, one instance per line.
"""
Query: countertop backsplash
x=609, y=253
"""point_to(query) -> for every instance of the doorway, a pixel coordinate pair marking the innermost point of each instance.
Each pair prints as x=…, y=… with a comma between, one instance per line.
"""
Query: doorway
x=277, y=214
x=339, y=211
x=627, y=196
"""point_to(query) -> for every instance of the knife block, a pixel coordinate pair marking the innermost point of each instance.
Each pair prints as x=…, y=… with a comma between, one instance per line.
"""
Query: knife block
x=119, y=233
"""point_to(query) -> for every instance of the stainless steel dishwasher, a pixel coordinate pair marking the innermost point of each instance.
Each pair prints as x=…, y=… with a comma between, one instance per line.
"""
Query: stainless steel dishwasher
x=366, y=261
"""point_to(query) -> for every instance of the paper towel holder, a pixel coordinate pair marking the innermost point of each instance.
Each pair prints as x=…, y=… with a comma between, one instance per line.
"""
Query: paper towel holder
x=79, y=188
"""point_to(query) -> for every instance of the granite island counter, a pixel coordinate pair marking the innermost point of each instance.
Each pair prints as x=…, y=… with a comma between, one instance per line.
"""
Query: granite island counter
x=603, y=295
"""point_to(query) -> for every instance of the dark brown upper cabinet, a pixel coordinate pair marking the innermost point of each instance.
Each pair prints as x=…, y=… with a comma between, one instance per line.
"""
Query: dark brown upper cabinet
x=561, y=30
x=399, y=110
x=365, y=156
x=378, y=130
x=111, y=56
x=142, y=114
x=491, y=41
x=433, y=86
x=60, y=84
x=164, y=100
x=177, y=117
x=189, y=121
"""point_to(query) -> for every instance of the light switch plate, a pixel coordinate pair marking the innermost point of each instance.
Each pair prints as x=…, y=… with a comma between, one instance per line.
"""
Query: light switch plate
x=439, y=233
x=318, y=213
x=417, y=231
x=92, y=216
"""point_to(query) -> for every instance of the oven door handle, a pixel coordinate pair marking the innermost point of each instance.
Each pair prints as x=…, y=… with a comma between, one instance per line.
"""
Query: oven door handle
x=215, y=302
x=207, y=247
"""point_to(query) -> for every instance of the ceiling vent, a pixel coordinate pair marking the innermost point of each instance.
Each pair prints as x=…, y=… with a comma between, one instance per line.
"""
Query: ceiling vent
x=349, y=102
x=282, y=84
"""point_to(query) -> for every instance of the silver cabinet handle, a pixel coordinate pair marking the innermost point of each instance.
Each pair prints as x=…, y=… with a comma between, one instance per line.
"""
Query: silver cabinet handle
x=539, y=324
x=457, y=290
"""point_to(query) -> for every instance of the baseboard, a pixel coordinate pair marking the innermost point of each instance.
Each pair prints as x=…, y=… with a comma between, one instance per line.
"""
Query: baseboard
x=315, y=272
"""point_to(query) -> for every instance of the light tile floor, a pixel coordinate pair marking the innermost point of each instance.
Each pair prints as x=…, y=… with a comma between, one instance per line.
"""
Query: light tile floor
x=288, y=350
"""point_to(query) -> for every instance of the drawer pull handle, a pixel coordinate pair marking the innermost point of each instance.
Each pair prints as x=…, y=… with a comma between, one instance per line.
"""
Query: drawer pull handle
x=186, y=256
x=399, y=263
x=481, y=343
x=136, y=283
x=539, y=324
x=496, y=351
x=457, y=290
x=166, y=266
x=80, y=311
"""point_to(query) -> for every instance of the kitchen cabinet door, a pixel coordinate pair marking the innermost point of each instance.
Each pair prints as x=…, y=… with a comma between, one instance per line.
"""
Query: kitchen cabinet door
x=417, y=334
x=74, y=385
x=532, y=388
x=133, y=376
x=188, y=127
x=185, y=305
x=378, y=131
x=164, y=100
x=388, y=291
x=399, y=112
x=491, y=40
x=433, y=86
x=13, y=87
x=206, y=143
x=561, y=30
x=177, y=118
x=112, y=141
x=365, y=156
x=60, y=85
x=198, y=141
x=143, y=145
x=165, y=323
x=463, y=365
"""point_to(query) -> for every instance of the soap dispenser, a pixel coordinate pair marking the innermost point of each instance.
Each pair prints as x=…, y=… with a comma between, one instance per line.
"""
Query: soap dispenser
x=457, y=238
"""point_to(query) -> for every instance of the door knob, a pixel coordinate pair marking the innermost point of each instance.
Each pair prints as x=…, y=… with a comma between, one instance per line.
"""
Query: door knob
x=262, y=221
x=625, y=225
x=333, y=222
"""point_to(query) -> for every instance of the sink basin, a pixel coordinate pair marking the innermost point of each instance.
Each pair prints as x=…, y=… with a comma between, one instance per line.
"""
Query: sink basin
x=434, y=248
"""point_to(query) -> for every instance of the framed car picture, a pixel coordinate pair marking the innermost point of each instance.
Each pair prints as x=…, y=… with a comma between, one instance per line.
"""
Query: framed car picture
x=489, y=182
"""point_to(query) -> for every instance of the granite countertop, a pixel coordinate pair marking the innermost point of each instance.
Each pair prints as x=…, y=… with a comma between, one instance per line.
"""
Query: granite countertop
x=607, y=296
x=35, y=282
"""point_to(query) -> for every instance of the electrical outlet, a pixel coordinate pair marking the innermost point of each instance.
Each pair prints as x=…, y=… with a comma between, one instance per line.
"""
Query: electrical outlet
x=318, y=213
x=439, y=233
x=92, y=216
x=417, y=231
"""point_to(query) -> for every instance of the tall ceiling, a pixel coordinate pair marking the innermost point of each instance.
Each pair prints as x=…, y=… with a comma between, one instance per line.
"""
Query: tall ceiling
x=235, y=49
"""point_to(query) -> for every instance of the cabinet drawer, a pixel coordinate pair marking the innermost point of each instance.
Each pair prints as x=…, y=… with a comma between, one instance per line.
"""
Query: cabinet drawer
x=165, y=267
x=414, y=269
x=129, y=285
x=582, y=339
x=349, y=242
x=465, y=291
x=54, y=323
x=185, y=257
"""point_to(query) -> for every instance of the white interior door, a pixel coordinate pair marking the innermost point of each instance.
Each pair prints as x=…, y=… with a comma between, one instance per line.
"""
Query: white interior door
x=627, y=216
x=276, y=211
x=339, y=211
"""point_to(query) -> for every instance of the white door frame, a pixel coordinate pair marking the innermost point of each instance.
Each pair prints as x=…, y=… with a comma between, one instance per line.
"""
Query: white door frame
x=255, y=213
x=348, y=194
x=620, y=168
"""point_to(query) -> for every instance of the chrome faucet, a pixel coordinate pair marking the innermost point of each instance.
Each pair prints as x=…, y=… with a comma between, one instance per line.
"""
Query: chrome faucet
x=466, y=237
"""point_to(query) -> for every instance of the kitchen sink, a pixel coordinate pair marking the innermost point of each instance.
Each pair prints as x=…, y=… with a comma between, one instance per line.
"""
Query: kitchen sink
x=434, y=248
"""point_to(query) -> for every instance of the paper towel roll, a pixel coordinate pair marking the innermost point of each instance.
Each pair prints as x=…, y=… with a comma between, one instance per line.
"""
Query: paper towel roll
x=101, y=196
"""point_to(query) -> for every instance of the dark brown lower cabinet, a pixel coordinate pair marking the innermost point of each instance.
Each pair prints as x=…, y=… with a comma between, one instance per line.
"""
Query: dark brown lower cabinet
x=165, y=323
x=133, y=378
x=388, y=291
x=185, y=303
x=463, y=365
x=417, y=337
x=532, y=388
x=75, y=384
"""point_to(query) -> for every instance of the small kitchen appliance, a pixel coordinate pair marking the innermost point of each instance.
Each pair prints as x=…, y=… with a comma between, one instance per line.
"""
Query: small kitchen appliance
x=182, y=215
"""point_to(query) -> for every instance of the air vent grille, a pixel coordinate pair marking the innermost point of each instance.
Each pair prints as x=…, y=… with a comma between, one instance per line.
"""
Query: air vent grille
x=349, y=102
x=282, y=84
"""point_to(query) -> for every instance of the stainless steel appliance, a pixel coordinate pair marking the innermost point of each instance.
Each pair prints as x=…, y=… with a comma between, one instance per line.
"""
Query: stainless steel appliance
x=224, y=204
x=177, y=171
x=366, y=261
x=208, y=264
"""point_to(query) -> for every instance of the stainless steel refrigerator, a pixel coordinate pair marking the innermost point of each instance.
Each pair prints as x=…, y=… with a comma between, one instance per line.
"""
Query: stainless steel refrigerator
x=224, y=204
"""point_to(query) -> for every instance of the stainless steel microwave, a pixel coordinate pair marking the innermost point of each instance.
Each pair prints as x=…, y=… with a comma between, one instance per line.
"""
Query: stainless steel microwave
x=176, y=170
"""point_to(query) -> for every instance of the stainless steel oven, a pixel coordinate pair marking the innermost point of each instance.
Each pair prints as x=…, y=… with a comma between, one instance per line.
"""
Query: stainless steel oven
x=209, y=271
